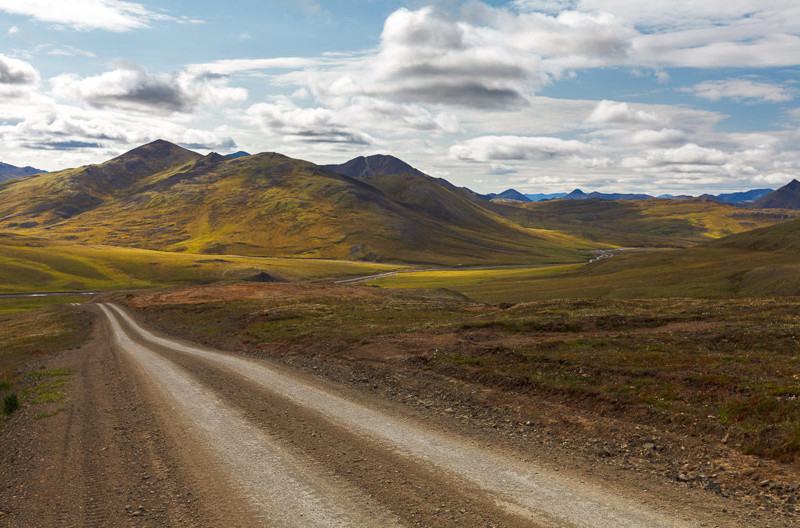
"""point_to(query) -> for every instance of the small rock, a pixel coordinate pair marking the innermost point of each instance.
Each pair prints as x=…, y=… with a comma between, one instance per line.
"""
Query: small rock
x=764, y=483
x=683, y=478
x=649, y=446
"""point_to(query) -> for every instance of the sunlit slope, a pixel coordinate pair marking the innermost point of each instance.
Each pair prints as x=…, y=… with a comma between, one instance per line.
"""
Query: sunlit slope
x=269, y=204
x=50, y=198
x=30, y=265
x=760, y=263
x=645, y=223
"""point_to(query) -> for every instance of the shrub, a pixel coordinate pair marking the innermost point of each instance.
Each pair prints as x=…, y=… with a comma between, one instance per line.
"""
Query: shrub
x=10, y=404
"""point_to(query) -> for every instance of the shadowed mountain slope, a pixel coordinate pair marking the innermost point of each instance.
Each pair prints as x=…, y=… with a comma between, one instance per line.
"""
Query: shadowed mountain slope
x=787, y=197
x=577, y=194
x=783, y=237
x=10, y=172
x=163, y=197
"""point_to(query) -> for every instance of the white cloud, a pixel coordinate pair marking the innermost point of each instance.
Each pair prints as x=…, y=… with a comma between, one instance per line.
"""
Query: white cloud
x=500, y=148
x=131, y=87
x=15, y=72
x=64, y=51
x=775, y=178
x=616, y=113
x=689, y=155
x=311, y=125
x=112, y=15
x=229, y=67
x=665, y=136
x=13, y=31
x=741, y=89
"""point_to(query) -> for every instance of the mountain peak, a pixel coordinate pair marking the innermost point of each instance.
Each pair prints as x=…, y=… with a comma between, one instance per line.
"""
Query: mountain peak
x=375, y=165
x=787, y=197
x=158, y=149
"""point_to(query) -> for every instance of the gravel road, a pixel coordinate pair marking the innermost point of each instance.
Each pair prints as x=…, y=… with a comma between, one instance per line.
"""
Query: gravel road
x=158, y=432
x=280, y=485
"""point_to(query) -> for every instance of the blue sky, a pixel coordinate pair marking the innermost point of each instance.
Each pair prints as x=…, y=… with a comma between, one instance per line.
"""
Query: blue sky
x=540, y=95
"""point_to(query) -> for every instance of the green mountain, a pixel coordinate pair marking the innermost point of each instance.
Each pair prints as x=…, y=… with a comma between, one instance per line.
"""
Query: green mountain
x=160, y=196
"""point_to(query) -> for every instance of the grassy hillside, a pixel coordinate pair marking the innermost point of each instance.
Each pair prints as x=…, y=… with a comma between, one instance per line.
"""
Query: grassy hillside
x=267, y=204
x=784, y=237
x=759, y=263
x=30, y=265
x=646, y=223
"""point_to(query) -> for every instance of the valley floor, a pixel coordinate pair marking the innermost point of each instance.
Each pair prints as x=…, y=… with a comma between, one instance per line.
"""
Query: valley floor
x=158, y=432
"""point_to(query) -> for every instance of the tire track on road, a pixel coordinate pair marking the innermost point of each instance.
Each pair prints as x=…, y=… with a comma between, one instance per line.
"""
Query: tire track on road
x=276, y=486
x=522, y=489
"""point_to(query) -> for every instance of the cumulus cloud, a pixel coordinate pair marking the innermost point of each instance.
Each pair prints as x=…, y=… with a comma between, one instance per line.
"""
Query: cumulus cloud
x=395, y=118
x=504, y=148
x=112, y=15
x=476, y=57
x=16, y=72
x=616, y=113
x=55, y=127
x=741, y=89
x=132, y=87
x=687, y=157
x=312, y=125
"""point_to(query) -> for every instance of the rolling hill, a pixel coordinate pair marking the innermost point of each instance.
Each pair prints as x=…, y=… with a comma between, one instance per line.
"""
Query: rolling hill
x=762, y=263
x=641, y=223
x=162, y=197
x=32, y=264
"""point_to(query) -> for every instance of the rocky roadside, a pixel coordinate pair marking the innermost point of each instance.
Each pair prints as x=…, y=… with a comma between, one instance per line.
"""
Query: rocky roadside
x=750, y=489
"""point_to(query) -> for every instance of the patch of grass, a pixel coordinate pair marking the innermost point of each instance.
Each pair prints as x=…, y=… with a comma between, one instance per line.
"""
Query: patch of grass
x=46, y=414
x=36, y=376
x=10, y=404
x=11, y=304
x=46, y=386
x=28, y=335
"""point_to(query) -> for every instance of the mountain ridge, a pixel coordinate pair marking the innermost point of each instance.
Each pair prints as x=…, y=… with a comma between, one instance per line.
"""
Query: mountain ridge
x=160, y=196
x=11, y=172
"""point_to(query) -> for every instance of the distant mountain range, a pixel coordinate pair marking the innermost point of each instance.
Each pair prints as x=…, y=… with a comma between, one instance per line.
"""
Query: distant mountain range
x=10, y=172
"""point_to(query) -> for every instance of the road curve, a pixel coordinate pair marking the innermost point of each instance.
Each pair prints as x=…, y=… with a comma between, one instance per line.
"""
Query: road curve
x=284, y=490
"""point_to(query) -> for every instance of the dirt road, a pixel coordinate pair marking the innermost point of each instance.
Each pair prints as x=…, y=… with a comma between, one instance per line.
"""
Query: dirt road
x=181, y=435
